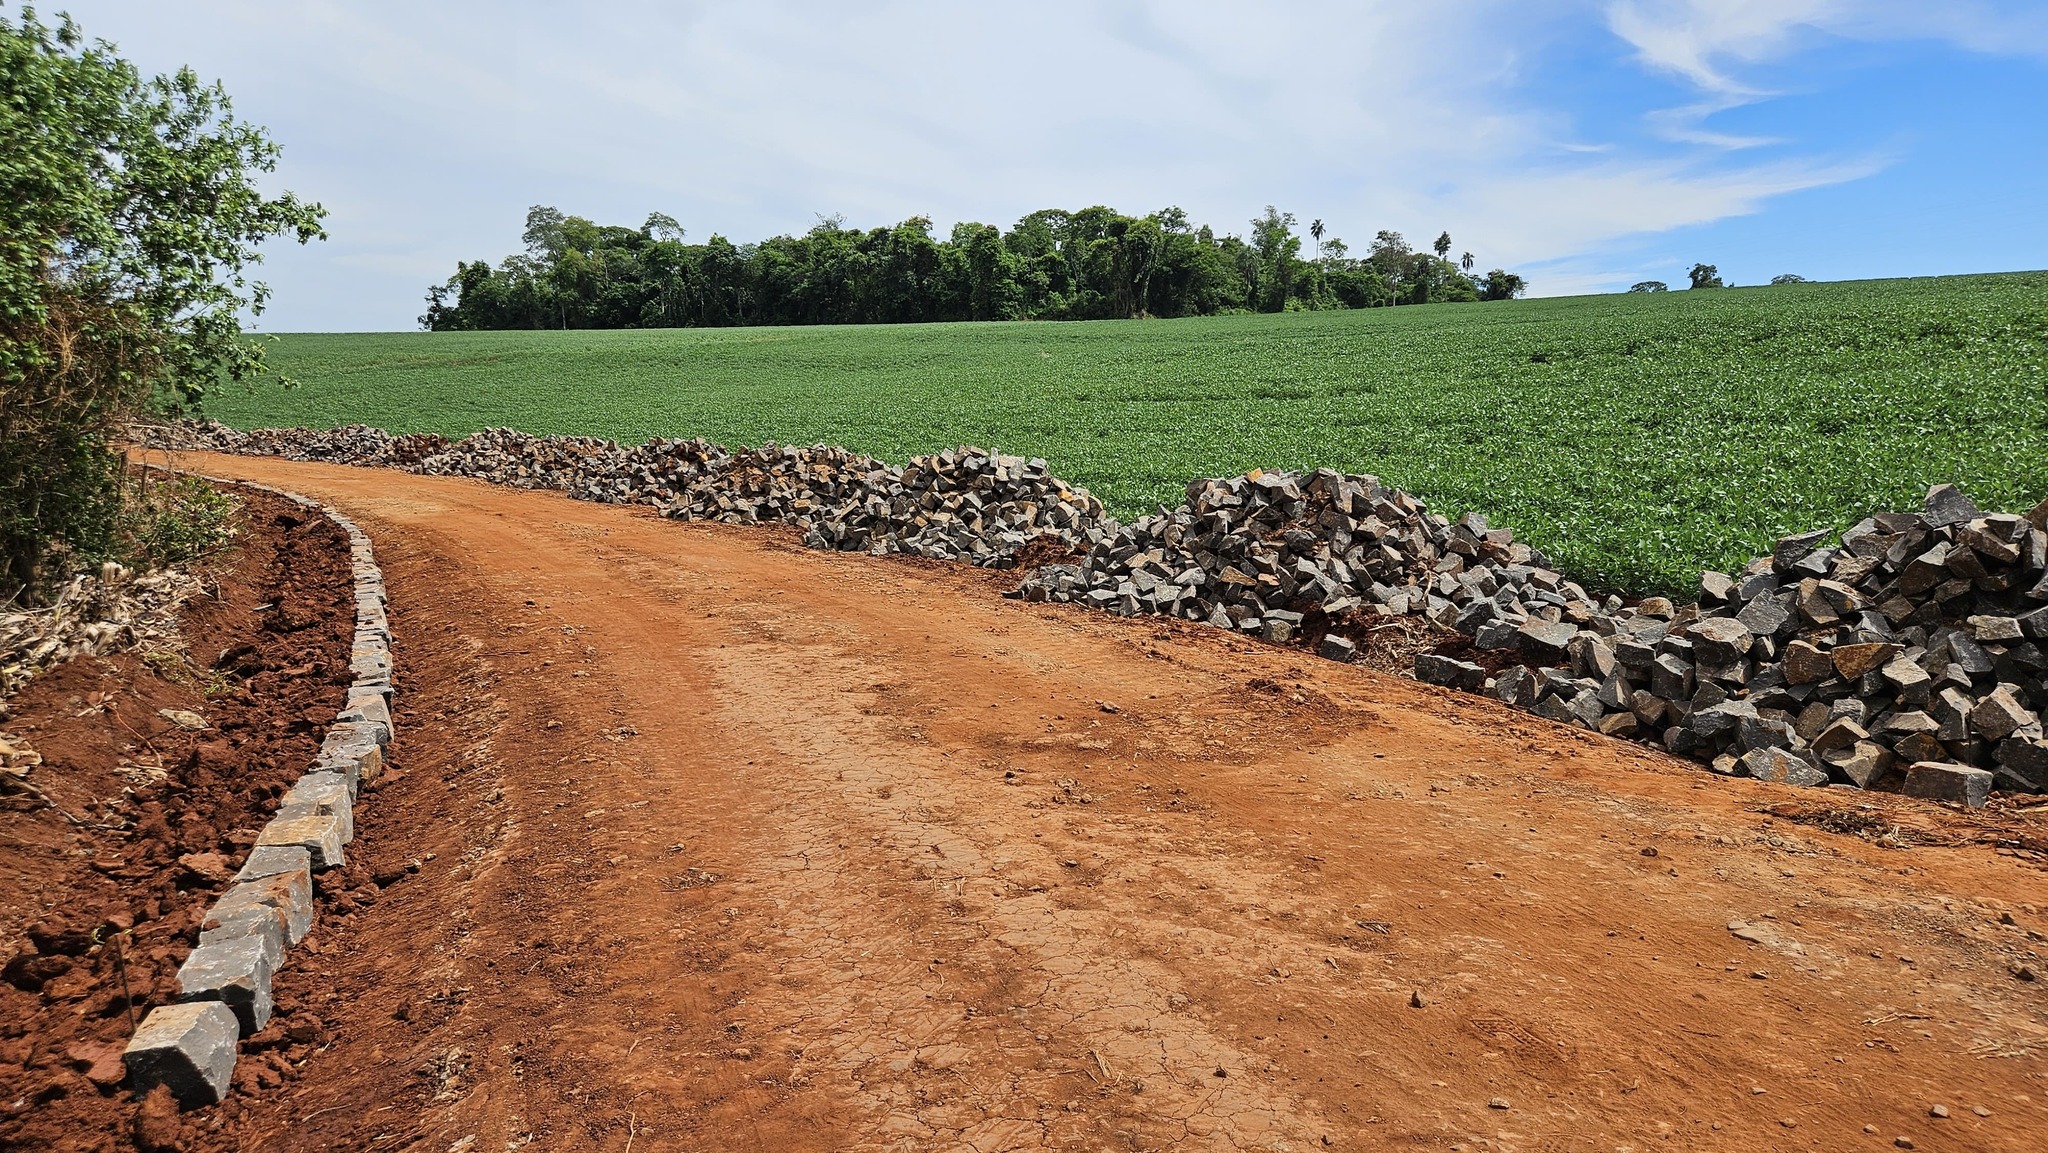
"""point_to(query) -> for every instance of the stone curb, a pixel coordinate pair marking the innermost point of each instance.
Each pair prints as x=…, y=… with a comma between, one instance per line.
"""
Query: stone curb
x=224, y=986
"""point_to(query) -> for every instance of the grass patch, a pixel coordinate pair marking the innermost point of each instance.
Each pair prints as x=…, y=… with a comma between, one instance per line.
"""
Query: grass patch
x=1636, y=438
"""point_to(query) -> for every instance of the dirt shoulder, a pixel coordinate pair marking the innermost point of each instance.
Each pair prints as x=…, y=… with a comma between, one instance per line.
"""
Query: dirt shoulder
x=140, y=817
x=723, y=843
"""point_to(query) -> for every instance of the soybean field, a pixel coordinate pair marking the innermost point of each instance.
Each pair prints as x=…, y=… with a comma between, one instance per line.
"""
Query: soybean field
x=1635, y=438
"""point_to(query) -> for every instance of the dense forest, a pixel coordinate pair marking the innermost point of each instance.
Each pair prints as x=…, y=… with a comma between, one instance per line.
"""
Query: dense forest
x=1053, y=265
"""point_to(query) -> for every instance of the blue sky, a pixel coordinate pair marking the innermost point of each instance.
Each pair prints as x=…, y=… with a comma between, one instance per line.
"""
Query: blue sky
x=1586, y=143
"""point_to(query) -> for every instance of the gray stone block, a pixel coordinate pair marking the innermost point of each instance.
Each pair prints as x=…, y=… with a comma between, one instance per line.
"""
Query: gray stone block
x=290, y=895
x=189, y=1048
x=367, y=708
x=1449, y=671
x=1336, y=648
x=1787, y=768
x=2000, y=715
x=1946, y=505
x=234, y=972
x=1671, y=677
x=353, y=751
x=1496, y=634
x=1941, y=781
x=370, y=662
x=272, y=860
x=1517, y=686
x=1546, y=641
x=319, y=834
x=323, y=791
x=259, y=923
x=2024, y=764
x=1867, y=764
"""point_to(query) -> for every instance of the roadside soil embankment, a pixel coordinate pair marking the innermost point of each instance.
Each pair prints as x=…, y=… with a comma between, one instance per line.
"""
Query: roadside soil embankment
x=725, y=843
x=158, y=768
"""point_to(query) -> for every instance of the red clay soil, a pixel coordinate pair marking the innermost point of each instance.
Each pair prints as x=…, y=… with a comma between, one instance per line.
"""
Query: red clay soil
x=104, y=877
x=703, y=841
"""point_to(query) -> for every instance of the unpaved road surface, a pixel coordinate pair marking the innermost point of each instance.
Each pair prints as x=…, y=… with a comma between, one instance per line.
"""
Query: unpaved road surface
x=725, y=844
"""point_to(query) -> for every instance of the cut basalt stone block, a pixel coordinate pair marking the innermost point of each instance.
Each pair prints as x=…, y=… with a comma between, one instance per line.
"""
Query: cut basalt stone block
x=370, y=662
x=367, y=707
x=272, y=860
x=290, y=894
x=322, y=792
x=188, y=1048
x=320, y=834
x=1336, y=648
x=1773, y=764
x=236, y=973
x=353, y=751
x=260, y=923
x=1941, y=781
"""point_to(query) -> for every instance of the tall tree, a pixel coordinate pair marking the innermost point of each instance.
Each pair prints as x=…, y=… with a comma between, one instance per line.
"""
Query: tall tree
x=1278, y=250
x=1443, y=245
x=1465, y=262
x=1501, y=284
x=1315, y=229
x=130, y=214
x=1704, y=276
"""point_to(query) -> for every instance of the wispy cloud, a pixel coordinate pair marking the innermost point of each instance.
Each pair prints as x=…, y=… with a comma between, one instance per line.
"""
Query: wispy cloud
x=1700, y=39
x=429, y=129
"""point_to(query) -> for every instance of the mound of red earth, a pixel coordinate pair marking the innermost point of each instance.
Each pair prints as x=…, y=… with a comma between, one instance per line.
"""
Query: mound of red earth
x=136, y=813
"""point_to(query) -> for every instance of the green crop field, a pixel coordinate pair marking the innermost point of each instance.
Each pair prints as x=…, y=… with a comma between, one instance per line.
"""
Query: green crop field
x=1636, y=438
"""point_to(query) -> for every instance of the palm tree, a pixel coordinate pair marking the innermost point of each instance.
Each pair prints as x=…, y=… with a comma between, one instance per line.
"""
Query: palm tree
x=1443, y=245
x=1465, y=262
x=1315, y=229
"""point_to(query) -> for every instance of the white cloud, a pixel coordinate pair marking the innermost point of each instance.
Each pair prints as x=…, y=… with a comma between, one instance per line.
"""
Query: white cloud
x=1703, y=40
x=429, y=128
x=1687, y=36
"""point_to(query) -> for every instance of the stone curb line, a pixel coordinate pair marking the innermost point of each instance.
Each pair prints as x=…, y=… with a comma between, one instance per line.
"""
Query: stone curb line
x=224, y=986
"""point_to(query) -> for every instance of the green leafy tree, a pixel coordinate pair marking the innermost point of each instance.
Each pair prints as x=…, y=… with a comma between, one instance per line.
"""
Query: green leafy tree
x=129, y=222
x=1278, y=251
x=1788, y=278
x=1705, y=276
x=1649, y=286
x=1389, y=257
x=1501, y=284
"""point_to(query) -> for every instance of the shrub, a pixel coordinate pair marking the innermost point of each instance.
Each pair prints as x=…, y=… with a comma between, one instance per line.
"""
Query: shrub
x=128, y=216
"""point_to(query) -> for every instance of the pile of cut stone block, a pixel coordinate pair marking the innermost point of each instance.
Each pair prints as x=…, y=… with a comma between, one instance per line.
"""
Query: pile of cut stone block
x=1907, y=655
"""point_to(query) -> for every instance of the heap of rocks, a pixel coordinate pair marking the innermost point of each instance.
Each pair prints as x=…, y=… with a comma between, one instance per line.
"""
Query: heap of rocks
x=1271, y=554
x=1908, y=655
x=512, y=458
x=966, y=504
x=347, y=444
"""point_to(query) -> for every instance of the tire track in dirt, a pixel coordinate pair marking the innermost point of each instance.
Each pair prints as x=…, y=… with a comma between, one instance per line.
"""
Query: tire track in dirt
x=765, y=848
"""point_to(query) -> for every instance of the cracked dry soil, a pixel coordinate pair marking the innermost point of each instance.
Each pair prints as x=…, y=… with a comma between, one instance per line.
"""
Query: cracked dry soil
x=726, y=844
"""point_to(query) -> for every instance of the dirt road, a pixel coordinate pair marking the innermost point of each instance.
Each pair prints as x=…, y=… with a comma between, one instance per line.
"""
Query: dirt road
x=726, y=844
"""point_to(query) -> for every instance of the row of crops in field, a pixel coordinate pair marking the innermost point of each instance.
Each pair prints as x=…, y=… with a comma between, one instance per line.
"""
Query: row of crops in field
x=1638, y=438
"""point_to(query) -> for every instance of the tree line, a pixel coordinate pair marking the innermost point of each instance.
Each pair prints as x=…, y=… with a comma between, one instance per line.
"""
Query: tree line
x=1092, y=264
